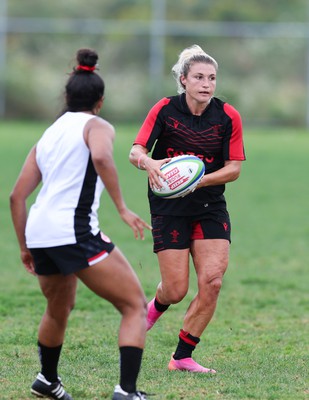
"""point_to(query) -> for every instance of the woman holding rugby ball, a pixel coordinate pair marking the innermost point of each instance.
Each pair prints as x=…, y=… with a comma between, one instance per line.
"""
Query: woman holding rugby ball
x=61, y=241
x=197, y=225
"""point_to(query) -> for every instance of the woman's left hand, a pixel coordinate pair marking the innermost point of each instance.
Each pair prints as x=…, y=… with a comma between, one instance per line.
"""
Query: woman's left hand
x=136, y=223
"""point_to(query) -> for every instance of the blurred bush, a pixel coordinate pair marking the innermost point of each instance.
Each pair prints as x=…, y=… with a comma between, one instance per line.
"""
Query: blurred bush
x=264, y=77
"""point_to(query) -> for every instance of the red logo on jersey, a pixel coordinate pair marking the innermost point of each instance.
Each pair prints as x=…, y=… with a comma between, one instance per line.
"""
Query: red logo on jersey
x=170, y=152
x=209, y=160
x=216, y=129
x=175, y=235
x=225, y=226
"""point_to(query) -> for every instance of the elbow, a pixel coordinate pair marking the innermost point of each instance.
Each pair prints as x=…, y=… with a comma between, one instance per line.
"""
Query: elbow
x=234, y=172
x=136, y=151
x=131, y=157
x=234, y=176
x=13, y=199
x=102, y=163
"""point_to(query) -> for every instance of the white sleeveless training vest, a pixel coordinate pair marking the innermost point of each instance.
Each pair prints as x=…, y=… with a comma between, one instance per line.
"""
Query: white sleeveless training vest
x=65, y=210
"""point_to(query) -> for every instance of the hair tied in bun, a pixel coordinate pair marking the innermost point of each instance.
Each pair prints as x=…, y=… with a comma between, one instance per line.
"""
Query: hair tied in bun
x=85, y=68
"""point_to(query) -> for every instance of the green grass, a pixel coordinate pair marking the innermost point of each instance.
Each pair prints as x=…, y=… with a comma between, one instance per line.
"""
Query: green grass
x=258, y=338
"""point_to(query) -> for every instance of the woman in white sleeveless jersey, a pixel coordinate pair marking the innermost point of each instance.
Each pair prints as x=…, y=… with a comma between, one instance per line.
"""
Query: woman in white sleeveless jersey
x=60, y=240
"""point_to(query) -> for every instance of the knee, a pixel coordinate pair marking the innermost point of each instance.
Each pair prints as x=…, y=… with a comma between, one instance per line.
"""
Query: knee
x=144, y=306
x=60, y=312
x=140, y=302
x=215, y=285
x=175, y=294
x=68, y=307
x=134, y=305
x=71, y=307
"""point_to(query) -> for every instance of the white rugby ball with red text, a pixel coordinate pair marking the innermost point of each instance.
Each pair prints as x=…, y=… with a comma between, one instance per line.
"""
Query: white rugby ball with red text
x=183, y=174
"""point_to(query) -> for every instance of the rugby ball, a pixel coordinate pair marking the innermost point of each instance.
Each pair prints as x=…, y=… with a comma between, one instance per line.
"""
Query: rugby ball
x=183, y=174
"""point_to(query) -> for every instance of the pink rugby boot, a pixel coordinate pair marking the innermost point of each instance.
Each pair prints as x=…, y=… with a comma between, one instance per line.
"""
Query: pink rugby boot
x=188, y=364
x=152, y=314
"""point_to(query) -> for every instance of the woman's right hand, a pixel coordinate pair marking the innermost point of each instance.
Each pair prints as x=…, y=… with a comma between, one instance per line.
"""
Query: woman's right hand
x=27, y=260
x=154, y=173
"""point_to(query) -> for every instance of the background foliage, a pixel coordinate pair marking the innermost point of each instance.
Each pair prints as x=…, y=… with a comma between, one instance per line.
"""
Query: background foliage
x=264, y=77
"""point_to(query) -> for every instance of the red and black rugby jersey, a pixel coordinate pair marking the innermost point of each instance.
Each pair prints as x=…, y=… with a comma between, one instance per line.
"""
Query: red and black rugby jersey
x=170, y=129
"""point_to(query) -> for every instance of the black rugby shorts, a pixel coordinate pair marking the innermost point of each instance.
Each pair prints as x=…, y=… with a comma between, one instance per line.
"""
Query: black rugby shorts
x=174, y=232
x=72, y=257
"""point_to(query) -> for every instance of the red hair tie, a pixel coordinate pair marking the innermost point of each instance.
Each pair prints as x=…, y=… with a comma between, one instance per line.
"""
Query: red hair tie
x=85, y=68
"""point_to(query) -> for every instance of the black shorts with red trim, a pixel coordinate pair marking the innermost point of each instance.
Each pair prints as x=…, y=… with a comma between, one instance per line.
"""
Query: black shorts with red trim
x=72, y=257
x=177, y=232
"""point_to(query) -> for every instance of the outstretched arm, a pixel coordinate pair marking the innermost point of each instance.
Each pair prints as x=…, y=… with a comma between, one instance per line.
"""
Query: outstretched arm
x=99, y=136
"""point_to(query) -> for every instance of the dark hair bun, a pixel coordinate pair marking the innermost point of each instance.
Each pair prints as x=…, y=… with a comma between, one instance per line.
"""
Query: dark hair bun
x=84, y=87
x=87, y=57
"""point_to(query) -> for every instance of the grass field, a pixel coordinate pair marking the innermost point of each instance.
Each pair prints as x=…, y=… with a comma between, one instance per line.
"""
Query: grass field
x=258, y=340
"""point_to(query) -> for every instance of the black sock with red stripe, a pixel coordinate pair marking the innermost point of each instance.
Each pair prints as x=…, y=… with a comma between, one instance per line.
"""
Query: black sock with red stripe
x=160, y=307
x=186, y=345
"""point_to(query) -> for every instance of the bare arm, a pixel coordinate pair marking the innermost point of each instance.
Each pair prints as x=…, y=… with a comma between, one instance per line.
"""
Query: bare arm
x=99, y=136
x=26, y=183
x=138, y=157
x=229, y=173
